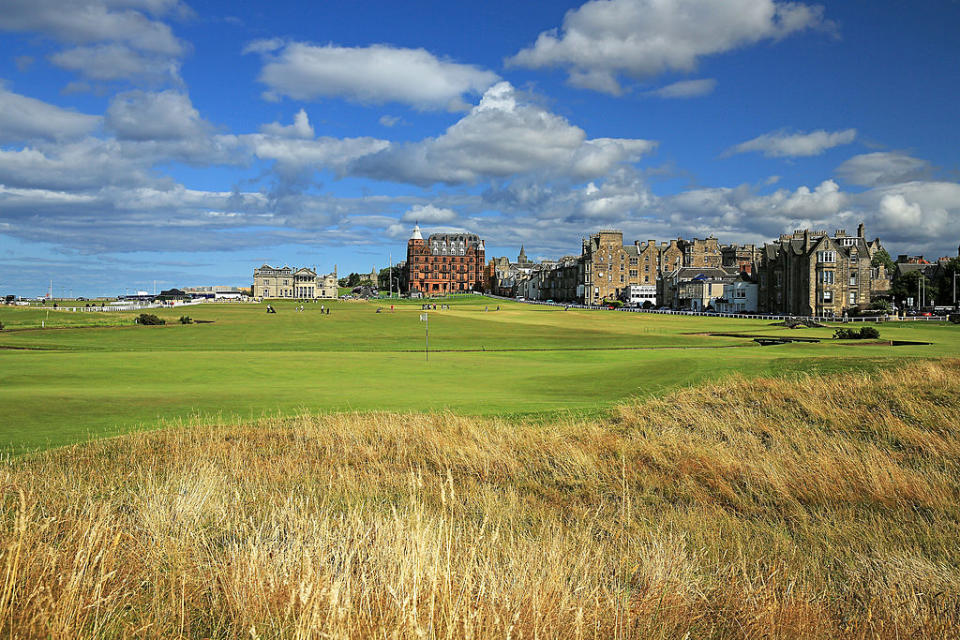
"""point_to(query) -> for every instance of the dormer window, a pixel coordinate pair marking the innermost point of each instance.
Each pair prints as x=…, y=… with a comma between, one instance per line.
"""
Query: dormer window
x=826, y=256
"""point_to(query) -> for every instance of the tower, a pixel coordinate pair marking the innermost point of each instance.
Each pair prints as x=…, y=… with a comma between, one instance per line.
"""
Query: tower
x=416, y=260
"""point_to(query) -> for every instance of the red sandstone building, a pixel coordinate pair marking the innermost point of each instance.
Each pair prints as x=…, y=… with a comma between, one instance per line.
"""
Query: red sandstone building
x=444, y=263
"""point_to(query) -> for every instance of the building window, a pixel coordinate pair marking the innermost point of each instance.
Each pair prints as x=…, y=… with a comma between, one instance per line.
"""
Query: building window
x=633, y=273
x=828, y=296
x=853, y=297
x=826, y=277
x=826, y=256
x=853, y=279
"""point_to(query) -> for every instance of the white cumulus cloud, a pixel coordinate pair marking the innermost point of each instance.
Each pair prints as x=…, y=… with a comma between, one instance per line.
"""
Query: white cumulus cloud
x=782, y=144
x=117, y=61
x=429, y=214
x=301, y=127
x=604, y=39
x=167, y=115
x=372, y=75
x=884, y=167
x=84, y=21
x=686, y=89
x=23, y=118
x=503, y=136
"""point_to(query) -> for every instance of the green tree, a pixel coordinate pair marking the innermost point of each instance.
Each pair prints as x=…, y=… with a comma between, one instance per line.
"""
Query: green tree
x=945, y=284
x=907, y=286
x=881, y=305
x=353, y=280
x=881, y=257
x=383, y=279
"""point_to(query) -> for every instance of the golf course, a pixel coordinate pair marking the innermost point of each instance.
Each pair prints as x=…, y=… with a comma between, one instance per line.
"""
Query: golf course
x=87, y=375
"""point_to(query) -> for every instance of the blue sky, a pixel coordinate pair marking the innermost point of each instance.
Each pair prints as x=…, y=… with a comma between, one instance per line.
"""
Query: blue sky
x=187, y=143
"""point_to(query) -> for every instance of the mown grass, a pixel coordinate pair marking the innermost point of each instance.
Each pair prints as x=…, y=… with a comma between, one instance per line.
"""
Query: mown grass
x=62, y=386
x=806, y=508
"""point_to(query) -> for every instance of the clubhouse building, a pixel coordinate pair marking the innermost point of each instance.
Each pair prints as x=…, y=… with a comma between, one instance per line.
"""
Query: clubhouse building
x=293, y=283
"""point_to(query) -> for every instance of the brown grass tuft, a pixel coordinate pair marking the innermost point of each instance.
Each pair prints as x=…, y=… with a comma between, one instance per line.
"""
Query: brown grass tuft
x=814, y=508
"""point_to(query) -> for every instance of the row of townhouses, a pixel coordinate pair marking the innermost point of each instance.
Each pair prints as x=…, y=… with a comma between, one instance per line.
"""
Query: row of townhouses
x=804, y=273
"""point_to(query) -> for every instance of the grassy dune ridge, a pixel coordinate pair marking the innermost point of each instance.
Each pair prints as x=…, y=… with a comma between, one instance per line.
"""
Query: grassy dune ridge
x=763, y=508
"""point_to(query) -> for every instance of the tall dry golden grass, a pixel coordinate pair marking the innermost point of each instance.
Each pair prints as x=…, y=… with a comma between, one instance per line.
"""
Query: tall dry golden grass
x=818, y=508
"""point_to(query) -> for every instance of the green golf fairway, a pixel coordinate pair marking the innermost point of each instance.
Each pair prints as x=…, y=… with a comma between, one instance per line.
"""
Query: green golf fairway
x=97, y=374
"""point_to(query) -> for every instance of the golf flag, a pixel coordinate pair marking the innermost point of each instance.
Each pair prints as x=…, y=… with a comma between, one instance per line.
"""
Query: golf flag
x=423, y=317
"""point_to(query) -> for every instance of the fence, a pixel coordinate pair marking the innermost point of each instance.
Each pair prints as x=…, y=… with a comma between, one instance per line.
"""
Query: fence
x=132, y=306
x=744, y=316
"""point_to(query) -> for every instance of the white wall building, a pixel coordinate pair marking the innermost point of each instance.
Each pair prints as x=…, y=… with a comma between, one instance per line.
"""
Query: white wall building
x=738, y=297
x=635, y=295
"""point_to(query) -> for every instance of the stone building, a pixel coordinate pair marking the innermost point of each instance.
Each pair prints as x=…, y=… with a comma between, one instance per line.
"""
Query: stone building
x=444, y=263
x=642, y=263
x=812, y=273
x=564, y=281
x=649, y=258
x=293, y=283
x=744, y=257
x=701, y=253
x=608, y=267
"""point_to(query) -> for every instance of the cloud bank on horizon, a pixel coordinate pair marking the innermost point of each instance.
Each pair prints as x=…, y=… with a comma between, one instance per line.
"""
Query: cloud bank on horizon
x=123, y=136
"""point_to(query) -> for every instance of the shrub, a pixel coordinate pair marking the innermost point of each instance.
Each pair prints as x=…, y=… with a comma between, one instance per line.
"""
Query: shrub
x=1, y=326
x=186, y=320
x=869, y=332
x=857, y=334
x=150, y=319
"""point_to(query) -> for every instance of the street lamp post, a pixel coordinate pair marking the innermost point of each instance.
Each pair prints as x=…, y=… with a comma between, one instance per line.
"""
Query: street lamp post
x=955, y=290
